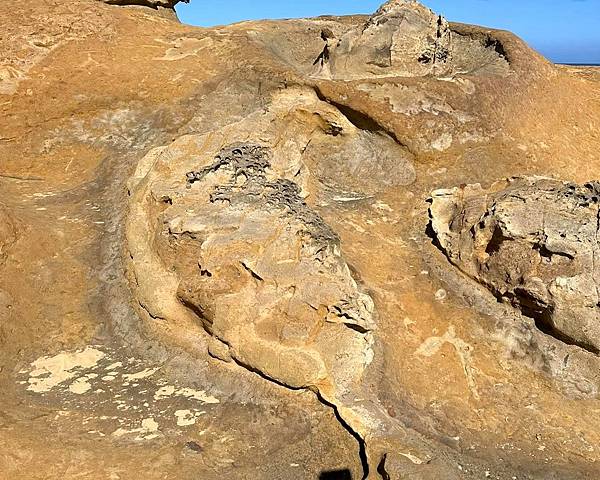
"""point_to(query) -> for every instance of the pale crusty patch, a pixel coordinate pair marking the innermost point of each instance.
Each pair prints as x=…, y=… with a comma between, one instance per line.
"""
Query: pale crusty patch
x=49, y=372
x=186, y=417
x=170, y=390
x=147, y=372
x=433, y=344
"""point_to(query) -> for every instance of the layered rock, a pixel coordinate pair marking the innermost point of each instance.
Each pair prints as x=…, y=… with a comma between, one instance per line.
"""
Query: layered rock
x=402, y=38
x=276, y=246
x=221, y=234
x=246, y=256
x=405, y=39
x=271, y=275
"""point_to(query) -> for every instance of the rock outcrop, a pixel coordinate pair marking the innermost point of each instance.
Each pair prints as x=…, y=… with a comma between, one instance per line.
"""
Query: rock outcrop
x=534, y=243
x=147, y=3
x=223, y=236
x=217, y=258
x=402, y=38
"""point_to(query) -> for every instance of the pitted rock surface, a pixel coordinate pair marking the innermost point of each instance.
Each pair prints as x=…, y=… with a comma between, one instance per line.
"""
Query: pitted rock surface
x=534, y=243
x=248, y=184
x=225, y=236
x=270, y=269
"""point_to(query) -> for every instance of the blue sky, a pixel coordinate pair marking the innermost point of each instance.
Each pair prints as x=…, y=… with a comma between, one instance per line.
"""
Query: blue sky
x=565, y=31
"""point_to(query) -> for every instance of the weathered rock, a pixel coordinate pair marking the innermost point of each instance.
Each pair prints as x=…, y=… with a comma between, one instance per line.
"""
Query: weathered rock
x=147, y=3
x=270, y=274
x=276, y=246
x=8, y=233
x=224, y=235
x=533, y=242
x=406, y=39
x=402, y=38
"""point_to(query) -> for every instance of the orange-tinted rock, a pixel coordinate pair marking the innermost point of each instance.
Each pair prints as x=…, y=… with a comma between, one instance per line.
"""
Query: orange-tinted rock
x=219, y=310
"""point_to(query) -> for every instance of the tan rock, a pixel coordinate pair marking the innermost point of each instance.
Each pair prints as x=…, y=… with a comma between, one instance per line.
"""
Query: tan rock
x=403, y=38
x=534, y=243
x=294, y=286
x=8, y=233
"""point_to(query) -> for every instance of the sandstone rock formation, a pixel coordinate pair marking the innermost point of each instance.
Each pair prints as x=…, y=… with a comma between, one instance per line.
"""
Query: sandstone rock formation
x=218, y=259
x=402, y=38
x=534, y=243
x=405, y=39
x=236, y=247
x=147, y=3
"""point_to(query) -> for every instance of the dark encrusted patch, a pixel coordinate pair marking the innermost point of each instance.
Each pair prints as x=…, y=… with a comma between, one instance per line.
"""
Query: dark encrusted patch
x=248, y=165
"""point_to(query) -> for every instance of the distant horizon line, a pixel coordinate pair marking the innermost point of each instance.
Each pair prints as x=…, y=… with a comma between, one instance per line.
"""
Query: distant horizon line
x=579, y=64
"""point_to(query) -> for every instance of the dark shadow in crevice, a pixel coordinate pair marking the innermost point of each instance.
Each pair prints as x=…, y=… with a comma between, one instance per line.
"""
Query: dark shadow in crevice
x=356, y=328
x=496, y=45
x=496, y=241
x=544, y=324
x=361, y=443
x=430, y=232
x=542, y=318
x=360, y=120
x=343, y=474
x=381, y=468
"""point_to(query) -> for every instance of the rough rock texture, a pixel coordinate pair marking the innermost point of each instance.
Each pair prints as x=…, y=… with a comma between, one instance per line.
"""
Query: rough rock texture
x=236, y=246
x=533, y=243
x=8, y=233
x=405, y=39
x=147, y=3
x=217, y=256
x=402, y=38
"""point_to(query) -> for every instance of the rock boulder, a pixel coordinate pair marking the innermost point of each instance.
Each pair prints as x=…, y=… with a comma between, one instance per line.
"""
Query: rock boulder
x=533, y=242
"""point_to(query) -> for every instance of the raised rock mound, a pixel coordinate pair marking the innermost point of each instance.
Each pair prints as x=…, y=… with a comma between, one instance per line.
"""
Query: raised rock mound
x=532, y=242
x=223, y=267
x=405, y=39
x=220, y=234
x=271, y=273
x=147, y=3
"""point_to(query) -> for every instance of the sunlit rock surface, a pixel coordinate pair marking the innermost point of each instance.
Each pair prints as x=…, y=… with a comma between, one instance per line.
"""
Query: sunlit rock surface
x=289, y=249
x=533, y=244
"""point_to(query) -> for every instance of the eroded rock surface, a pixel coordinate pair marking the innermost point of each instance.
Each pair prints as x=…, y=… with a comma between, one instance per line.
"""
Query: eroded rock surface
x=271, y=276
x=401, y=38
x=227, y=231
x=406, y=39
x=8, y=233
x=534, y=243
x=147, y=3
x=223, y=218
